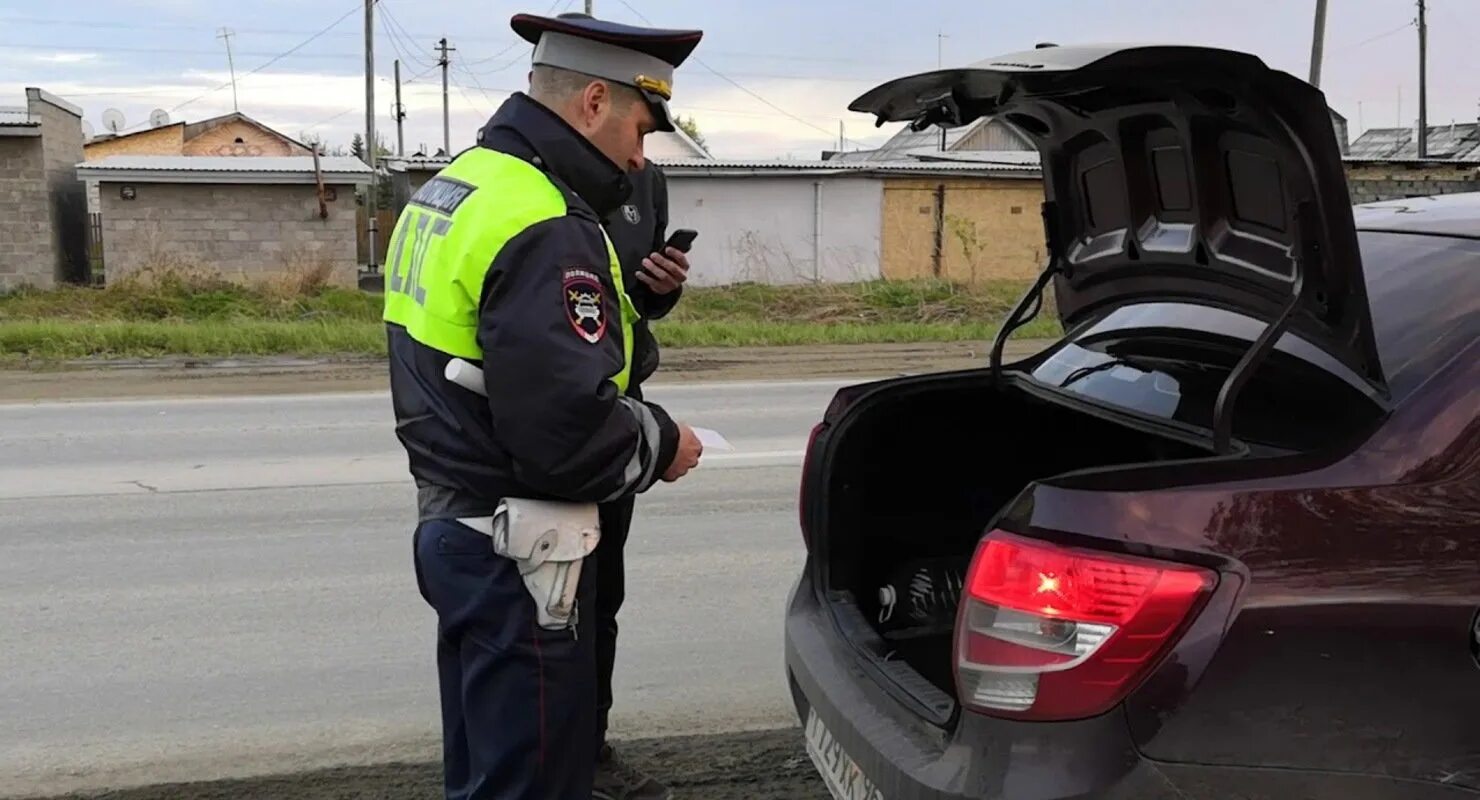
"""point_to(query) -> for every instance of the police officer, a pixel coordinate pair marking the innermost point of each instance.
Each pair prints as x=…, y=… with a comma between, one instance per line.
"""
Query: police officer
x=653, y=276
x=656, y=273
x=501, y=261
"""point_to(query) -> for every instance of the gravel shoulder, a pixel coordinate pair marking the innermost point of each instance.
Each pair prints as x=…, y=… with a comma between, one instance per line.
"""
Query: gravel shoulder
x=763, y=765
x=194, y=378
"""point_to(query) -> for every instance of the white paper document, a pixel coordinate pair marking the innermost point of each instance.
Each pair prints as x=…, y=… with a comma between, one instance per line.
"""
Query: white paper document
x=712, y=440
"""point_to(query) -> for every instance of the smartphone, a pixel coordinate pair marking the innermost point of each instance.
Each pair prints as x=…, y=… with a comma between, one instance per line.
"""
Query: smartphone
x=681, y=240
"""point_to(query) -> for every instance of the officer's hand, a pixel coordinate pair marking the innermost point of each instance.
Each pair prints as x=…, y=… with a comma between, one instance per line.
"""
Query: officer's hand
x=687, y=457
x=665, y=274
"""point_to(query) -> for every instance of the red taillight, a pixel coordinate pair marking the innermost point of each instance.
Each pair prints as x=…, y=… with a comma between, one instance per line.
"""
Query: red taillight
x=1046, y=632
x=802, y=509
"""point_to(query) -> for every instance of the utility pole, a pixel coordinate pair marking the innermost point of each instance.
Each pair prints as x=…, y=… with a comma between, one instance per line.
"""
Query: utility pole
x=1318, y=43
x=1423, y=83
x=446, y=125
x=371, y=196
x=589, y=13
x=940, y=49
x=226, y=34
x=399, y=112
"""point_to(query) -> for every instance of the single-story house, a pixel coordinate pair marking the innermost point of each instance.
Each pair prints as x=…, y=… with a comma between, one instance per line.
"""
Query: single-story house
x=245, y=218
x=234, y=134
x=43, y=207
x=408, y=173
x=781, y=222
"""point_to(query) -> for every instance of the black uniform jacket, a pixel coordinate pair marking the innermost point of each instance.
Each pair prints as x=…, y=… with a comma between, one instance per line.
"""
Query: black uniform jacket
x=553, y=426
x=637, y=229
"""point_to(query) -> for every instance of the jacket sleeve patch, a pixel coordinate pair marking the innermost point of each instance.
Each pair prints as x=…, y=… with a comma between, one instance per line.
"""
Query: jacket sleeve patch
x=585, y=302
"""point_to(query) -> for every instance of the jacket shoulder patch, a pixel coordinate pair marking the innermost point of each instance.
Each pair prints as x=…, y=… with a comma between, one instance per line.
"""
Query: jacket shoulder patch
x=585, y=302
x=443, y=194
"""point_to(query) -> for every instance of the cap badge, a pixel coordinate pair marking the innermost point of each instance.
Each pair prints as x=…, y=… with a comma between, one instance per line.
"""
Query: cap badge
x=657, y=86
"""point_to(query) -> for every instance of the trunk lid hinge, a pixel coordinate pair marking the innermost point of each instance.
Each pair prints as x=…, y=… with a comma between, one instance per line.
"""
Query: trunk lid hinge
x=1307, y=252
x=1022, y=314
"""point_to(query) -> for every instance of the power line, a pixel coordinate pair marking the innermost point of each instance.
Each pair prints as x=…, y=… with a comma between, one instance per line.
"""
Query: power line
x=404, y=31
x=393, y=26
x=357, y=57
x=1405, y=26
x=285, y=54
x=341, y=114
x=737, y=85
x=174, y=51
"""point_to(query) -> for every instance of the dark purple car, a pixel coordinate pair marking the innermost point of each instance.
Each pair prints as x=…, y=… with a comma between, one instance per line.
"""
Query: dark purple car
x=1220, y=541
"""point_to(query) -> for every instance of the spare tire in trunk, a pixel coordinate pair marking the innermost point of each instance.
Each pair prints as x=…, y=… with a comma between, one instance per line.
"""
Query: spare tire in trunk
x=916, y=474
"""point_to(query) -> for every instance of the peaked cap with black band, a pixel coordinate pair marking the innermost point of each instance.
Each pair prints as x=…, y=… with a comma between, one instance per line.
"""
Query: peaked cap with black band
x=643, y=58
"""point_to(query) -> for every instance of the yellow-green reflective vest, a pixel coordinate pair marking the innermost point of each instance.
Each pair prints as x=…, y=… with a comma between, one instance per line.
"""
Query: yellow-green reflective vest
x=447, y=238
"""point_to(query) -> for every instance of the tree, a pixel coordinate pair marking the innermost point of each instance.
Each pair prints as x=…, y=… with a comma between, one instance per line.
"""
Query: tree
x=317, y=142
x=690, y=126
x=357, y=148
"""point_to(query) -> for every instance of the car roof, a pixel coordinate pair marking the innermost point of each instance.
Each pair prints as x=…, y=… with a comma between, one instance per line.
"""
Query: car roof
x=1438, y=215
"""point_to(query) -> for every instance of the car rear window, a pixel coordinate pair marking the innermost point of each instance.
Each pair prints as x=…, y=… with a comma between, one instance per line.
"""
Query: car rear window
x=1170, y=361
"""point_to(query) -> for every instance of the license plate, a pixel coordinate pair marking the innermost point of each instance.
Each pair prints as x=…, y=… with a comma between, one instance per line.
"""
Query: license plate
x=841, y=774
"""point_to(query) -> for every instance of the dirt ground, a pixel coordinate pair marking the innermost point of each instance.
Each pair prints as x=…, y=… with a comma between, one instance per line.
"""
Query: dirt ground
x=768, y=765
x=192, y=378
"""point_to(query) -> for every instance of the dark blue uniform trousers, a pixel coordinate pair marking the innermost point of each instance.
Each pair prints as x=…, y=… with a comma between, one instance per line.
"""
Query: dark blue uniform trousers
x=519, y=703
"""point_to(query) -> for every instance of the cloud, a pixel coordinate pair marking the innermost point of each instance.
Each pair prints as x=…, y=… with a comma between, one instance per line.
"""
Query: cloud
x=65, y=58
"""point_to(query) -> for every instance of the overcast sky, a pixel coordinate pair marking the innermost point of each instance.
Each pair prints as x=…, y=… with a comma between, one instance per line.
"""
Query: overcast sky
x=808, y=58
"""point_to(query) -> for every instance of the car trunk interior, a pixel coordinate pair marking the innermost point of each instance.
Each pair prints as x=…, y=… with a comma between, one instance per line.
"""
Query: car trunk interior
x=913, y=481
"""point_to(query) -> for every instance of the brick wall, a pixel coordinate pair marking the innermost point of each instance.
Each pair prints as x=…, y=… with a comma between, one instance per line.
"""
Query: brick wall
x=27, y=255
x=244, y=232
x=222, y=140
x=61, y=145
x=1371, y=183
x=165, y=141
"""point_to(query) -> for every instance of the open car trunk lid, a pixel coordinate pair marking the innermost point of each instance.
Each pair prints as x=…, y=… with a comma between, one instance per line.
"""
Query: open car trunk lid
x=1174, y=173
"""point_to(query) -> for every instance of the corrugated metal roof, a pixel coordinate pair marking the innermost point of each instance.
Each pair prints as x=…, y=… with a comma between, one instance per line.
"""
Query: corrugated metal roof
x=1460, y=142
x=996, y=161
x=724, y=168
x=1021, y=158
x=907, y=140
x=16, y=115
x=224, y=169
x=416, y=163
x=337, y=164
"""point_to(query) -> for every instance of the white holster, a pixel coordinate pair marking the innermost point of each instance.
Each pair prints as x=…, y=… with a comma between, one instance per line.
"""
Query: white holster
x=548, y=540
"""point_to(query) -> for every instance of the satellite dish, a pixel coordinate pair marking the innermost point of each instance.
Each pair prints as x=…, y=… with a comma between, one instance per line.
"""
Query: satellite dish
x=113, y=120
x=159, y=117
x=87, y=130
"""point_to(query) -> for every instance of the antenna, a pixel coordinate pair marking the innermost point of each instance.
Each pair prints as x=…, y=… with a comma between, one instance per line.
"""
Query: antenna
x=113, y=120
x=227, y=33
x=87, y=131
x=159, y=117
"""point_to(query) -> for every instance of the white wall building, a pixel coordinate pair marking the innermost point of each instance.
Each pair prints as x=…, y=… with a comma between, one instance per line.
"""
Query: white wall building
x=787, y=222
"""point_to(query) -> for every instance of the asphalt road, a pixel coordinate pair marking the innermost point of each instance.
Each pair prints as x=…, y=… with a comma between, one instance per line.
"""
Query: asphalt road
x=197, y=589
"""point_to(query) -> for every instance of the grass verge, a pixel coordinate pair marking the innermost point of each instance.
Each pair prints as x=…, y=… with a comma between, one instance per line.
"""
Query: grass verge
x=184, y=314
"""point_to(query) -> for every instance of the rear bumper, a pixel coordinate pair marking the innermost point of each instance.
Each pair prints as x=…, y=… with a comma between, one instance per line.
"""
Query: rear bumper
x=908, y=759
